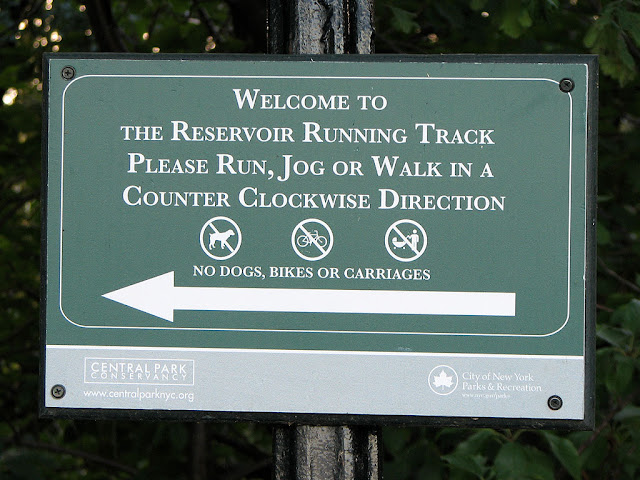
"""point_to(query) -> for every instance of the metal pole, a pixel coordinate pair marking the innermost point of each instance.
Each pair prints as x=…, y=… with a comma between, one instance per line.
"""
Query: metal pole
x=306, y=452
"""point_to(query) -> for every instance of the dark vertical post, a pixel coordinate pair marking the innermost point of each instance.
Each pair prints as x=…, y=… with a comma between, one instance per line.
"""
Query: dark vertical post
x=305, y=452
x=199, y=452
x=320, y=26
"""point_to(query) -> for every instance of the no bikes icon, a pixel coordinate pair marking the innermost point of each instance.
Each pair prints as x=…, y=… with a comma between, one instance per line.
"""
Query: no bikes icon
x=312, y=239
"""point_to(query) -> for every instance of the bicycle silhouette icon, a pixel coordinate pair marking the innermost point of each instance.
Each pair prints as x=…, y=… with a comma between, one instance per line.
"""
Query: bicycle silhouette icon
x=312, y=239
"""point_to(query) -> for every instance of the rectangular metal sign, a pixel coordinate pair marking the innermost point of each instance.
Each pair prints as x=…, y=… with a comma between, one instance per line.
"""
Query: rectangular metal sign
x=393, y=238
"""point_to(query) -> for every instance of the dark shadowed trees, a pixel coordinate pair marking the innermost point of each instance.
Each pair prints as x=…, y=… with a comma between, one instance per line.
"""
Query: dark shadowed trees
x=42, y=449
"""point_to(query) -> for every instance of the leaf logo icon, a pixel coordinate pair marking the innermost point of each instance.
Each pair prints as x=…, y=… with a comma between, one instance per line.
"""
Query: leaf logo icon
x=443, y=380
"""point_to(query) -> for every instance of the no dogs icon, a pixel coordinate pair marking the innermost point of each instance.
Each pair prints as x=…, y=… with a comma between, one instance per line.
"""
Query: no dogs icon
x=220, y=238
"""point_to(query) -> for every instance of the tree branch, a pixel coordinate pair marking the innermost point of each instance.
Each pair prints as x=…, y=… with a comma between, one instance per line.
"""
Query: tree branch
x=605, y=422
x=18, y=331
x=208, y=21
x=247, y=449
x=248, y=470
x=199, y=452
x=80, y=454
x=604, y=308
x=613, y=274
x=104, y=26
x=28, y=11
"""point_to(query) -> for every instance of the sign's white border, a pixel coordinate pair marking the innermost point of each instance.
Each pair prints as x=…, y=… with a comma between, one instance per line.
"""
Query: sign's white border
x=526, y=79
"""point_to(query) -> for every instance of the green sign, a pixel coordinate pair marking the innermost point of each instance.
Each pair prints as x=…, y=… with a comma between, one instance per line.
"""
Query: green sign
x=377, y=237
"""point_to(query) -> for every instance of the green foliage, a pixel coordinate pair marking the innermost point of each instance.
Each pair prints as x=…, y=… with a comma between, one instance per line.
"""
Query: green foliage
x=41, y=449
x=484, y=454
x=516, y=461
x=566, y=453
x=614, y=35
x=609, y=29
x=403, y=21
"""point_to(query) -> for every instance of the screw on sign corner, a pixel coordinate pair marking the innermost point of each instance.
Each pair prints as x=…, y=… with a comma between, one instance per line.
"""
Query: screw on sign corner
x=68, y=72
x=58, y=391
x=554, y=402
x=566, y=85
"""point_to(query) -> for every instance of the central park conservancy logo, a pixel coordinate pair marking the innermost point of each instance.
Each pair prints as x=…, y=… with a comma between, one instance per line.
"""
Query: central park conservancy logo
x=138, y=371
x=443, y=380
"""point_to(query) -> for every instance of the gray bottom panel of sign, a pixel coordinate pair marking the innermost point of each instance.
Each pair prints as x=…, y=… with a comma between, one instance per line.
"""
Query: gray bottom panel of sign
x=320, y=382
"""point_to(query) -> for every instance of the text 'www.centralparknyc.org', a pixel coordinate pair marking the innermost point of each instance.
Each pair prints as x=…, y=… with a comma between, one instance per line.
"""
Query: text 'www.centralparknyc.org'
x=141, y=395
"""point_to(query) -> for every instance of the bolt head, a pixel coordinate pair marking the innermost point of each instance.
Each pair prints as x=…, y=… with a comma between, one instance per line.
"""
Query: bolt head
x=58, y=391
x=566, y=85
x=68, y=72
x=554, y=402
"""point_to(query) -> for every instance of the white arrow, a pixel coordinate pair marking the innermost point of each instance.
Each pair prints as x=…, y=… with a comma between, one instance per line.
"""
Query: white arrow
x=160, y=297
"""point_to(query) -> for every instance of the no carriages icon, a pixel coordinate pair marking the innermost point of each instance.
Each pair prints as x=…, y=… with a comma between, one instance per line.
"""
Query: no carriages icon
x=406, y=240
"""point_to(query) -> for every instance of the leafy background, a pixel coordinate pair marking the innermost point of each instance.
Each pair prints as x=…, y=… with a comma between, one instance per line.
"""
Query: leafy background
x=63, y=449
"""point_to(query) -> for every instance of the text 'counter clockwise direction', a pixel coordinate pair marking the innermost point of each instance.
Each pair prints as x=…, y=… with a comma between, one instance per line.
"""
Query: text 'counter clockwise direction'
x=312, y=239
x=406, y=240
x=220, y=238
